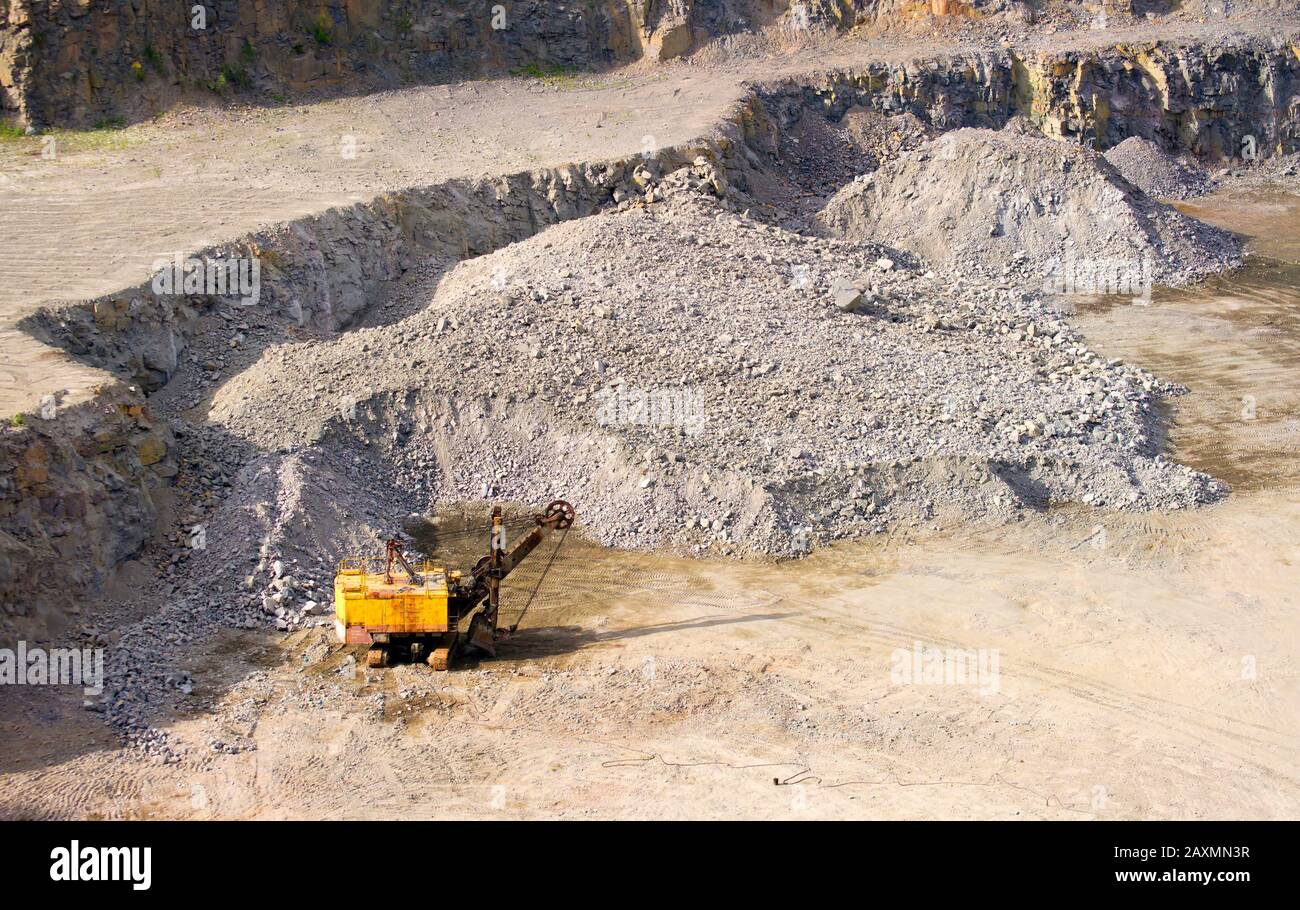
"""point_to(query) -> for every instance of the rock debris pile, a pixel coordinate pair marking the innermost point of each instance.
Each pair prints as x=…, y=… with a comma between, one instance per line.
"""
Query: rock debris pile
x=691, y=374
x=1008, y=204
x=1156, y=172
x=691, y=377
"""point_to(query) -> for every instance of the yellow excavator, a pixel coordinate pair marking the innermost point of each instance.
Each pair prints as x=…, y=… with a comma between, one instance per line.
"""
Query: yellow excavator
x=415, y=611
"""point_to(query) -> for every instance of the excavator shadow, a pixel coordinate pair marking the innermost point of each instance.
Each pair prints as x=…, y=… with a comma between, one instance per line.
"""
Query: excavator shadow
x=535, y=642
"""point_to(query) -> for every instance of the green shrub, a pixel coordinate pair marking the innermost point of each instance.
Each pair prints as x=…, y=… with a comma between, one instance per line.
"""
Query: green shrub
x=154, y=60
x=543, y=71
x=322, y=29
x=231, y=77
x=237, y=76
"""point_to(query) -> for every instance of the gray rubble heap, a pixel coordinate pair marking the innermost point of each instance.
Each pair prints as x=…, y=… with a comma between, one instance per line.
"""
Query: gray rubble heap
x=1009, y=204
x=797, y=389
x=1156, y=172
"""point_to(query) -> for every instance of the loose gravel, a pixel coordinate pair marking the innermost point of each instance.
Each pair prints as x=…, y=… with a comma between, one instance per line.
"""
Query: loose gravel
x=692, y=378
x=1011, y=203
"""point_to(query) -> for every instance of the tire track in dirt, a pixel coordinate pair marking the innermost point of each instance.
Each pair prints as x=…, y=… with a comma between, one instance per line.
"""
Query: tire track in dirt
x=1229, y=734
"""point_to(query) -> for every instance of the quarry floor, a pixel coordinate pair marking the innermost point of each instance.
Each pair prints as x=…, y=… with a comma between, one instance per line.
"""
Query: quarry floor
x=1146, y=664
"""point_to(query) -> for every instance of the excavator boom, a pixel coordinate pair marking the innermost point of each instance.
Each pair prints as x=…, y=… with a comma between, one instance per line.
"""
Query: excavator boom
x=483, y=631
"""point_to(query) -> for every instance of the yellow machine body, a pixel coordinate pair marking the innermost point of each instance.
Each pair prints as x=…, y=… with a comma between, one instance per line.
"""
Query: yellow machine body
x=403, y=611
x=369, y=602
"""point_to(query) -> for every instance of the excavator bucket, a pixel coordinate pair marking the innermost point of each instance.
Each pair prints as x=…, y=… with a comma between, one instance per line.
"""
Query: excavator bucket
x=481, y=635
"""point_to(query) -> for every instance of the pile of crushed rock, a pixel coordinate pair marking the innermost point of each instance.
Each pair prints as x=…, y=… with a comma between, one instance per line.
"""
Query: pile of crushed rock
x=690, y=377
x=1156, y=172
x=1009, y=205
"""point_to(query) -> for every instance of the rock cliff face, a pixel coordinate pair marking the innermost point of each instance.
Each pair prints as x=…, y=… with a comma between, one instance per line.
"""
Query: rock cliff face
x=76, y=498
x=74, y=62
x=80, y=62
x=1206, y=100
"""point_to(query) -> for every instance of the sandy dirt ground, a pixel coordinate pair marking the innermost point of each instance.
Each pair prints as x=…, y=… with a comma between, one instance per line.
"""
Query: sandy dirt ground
x=1146, y=672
